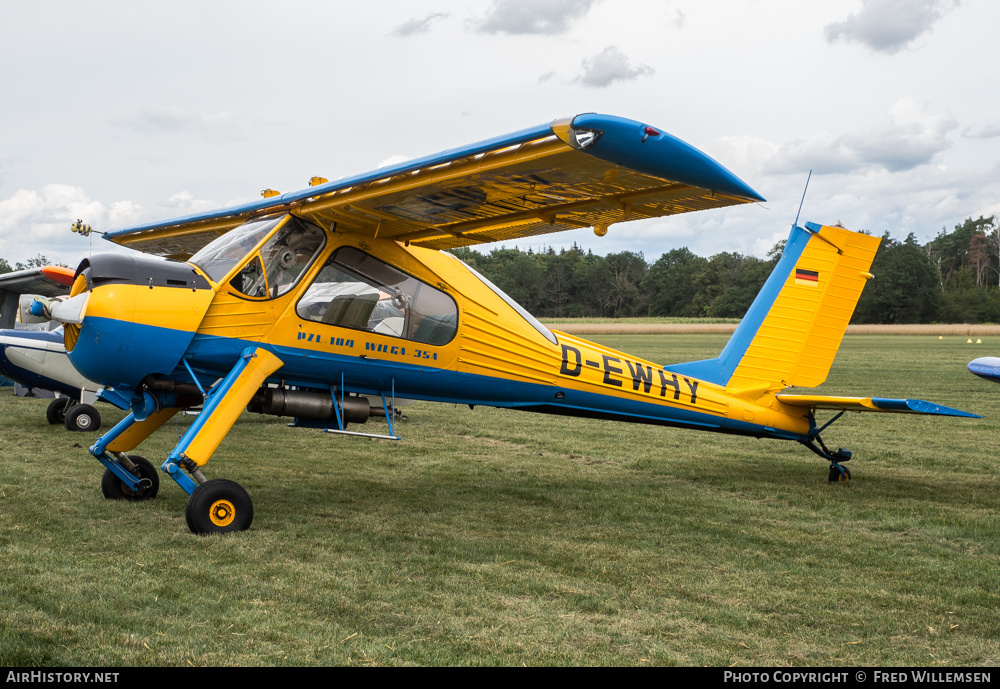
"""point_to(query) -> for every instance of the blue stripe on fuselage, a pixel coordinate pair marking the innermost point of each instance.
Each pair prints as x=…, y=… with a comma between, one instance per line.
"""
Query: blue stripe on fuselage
x=212, y=357
x=121, y=353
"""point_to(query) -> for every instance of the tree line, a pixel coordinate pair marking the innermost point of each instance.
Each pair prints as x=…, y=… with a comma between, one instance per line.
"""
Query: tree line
x=953, y=278
x=38, y=261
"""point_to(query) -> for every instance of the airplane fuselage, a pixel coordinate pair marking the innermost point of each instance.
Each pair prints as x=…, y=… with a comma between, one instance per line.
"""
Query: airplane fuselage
x=470, y=345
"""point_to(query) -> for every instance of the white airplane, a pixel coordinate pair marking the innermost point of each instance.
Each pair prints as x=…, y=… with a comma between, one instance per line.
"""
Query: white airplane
x=37, y=357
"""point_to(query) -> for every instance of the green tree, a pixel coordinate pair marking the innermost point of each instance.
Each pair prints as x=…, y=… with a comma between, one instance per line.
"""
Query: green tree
x=729, y=283
x=905, y=288
x=616, y=281
x=671, y=283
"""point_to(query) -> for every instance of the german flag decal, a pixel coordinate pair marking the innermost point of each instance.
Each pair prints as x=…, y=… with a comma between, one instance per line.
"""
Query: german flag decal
x=806, y=277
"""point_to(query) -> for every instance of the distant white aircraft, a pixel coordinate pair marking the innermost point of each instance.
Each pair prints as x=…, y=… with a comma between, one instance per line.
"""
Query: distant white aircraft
x=37, y=358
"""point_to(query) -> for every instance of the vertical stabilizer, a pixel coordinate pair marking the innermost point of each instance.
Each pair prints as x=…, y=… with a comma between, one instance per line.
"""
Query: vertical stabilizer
x=793, y=329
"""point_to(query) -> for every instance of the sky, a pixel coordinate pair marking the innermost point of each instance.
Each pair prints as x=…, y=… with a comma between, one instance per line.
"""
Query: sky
x=123, y=113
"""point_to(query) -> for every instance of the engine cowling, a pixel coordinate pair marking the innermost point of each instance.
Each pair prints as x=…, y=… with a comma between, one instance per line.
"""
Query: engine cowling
x=139, y=318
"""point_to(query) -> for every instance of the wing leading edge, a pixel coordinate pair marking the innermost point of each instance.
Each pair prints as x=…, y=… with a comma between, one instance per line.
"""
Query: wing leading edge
x=587, y=171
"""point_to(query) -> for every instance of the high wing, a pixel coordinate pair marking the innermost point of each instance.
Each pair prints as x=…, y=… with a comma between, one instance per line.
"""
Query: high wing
x=882, y=404
x=587, y=171
x=48, y=281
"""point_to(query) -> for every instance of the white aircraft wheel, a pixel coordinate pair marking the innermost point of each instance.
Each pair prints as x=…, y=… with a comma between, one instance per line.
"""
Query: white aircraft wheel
x=56, y=412
x=219, y=506
x=83, y=417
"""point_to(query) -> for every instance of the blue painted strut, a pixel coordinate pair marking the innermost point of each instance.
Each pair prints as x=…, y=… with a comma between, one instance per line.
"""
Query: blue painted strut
x=100, y=451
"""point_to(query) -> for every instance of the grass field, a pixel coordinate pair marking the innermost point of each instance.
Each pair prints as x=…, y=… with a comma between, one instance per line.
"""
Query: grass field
x=489, y=537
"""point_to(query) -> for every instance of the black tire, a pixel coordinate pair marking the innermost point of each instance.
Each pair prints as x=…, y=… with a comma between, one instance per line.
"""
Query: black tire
x=114, y=489
x=83, y=418
x=839, y=473
x=219, y=506
x=56, y=412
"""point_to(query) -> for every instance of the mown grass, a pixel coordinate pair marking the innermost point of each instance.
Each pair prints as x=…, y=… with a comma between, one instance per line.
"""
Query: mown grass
x=490, y=537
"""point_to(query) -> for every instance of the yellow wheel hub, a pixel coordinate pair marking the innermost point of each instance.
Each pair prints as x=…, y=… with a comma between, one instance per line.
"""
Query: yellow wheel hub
x=222, y=513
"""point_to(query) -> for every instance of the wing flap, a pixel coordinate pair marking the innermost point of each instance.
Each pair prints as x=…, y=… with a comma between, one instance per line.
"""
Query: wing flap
x=878, y=404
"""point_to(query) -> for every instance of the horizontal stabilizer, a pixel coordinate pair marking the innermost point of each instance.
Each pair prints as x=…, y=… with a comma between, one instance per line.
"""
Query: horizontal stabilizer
x=882, y=404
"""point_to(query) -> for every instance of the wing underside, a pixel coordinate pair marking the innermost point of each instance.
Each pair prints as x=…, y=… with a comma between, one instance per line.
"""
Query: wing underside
x=526, y=184
x=48, y=281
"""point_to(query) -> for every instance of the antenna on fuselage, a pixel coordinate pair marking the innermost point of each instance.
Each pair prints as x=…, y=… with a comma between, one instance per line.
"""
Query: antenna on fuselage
x=796, y=223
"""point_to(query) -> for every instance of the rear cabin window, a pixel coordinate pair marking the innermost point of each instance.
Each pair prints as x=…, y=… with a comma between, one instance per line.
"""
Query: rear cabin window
x=355, y=290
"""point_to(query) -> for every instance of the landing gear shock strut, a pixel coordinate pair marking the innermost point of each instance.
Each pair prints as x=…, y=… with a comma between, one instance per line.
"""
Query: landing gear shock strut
x=838, y=472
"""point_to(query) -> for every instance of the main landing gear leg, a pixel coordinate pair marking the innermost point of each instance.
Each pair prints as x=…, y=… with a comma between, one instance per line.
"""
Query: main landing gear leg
x=129, y=477
x=219, y=505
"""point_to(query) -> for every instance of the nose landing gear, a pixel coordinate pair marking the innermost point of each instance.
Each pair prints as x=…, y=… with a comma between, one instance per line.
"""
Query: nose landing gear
x=148, y=486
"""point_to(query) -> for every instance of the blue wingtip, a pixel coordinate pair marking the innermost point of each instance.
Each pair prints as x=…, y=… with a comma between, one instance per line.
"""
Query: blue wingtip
x=662, y=155
x=920, y=407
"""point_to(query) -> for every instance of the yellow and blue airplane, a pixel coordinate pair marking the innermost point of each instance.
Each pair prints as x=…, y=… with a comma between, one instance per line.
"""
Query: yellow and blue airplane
x=329, y=303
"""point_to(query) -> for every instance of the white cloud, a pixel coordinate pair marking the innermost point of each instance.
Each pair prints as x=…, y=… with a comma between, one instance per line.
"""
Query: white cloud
x=392, y=160
x=414, y=26
x=908, y=137
x=988, y=131
x=889, y=25
x=38, y=221
x=184, y=203
x=608, y=66
x=546, y=17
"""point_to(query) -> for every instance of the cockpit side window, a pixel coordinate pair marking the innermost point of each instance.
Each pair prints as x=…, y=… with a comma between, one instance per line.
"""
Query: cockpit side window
x=356, y=290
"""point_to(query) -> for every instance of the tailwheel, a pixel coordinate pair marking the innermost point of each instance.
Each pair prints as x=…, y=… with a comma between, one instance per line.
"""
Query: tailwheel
x=56, y=412
x=839, y=473
x=82, y=417
x=219, y=506
x=149, y=482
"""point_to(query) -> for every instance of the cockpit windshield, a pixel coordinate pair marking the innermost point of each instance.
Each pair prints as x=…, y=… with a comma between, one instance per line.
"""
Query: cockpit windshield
x=273, y=269
x=222, y=255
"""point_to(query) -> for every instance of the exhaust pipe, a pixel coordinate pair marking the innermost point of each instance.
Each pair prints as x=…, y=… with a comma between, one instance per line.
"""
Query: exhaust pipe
x=306, y=404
